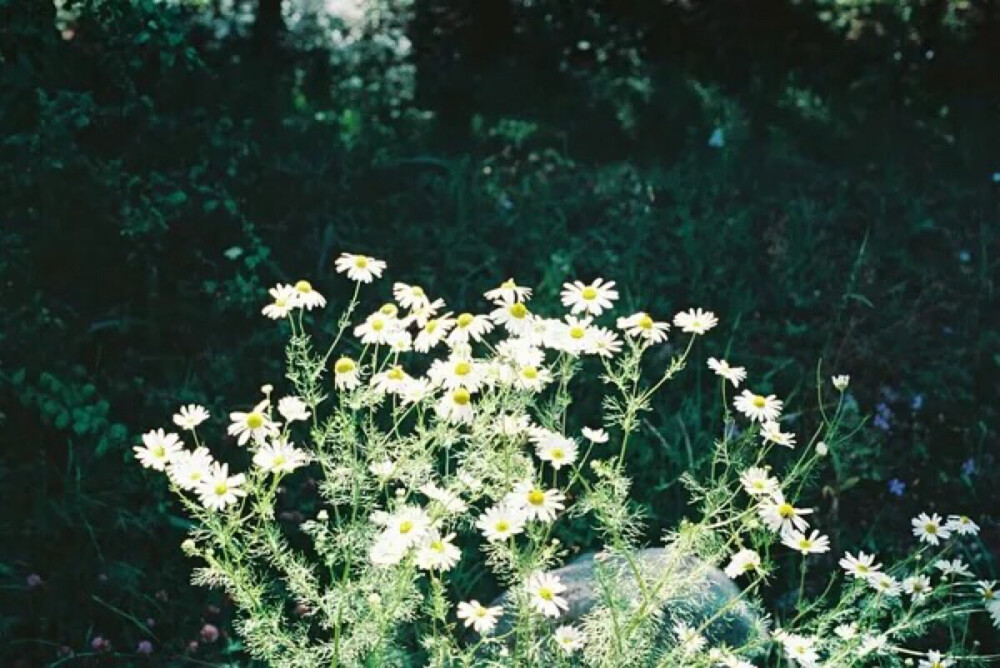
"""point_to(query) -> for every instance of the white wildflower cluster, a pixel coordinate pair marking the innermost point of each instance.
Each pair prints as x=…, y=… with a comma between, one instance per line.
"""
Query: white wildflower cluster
x=441, y=451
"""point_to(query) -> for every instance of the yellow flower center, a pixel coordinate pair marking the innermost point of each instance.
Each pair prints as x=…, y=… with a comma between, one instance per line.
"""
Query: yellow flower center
x=786, y=510
x=558, y=454
x=278, y=460
x=588, y=293
x=389, y=309
x=805, y=544
x=405, y=527
x=759, y=401
x=344, y=365
x=159, y=451
x=280, y=302
x=378, y=324
x=463, y=368
x=577, y=332
x=221, y=488
x=529, y=372
x=255, y=420
x=396, y=373
x=546, y=594
x=437, y=546
x=304, y=287
x=645, y=322
x=862, y=568
x=461, y=396
x=502, y=525
x=417, y=291
x=480, y=612
x=465, y=319
x=930, y=528
x=536, y=497
x=361, y=262
x=518, y=310
x=431, y=326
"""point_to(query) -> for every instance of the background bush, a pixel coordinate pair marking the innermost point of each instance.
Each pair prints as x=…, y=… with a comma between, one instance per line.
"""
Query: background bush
x=822, y=175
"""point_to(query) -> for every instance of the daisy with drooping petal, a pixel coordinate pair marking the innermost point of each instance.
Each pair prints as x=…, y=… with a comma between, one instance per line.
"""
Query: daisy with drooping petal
x=758, y=482
x=293, y=409
x=469, y=326
x=306, y=296
x=962, y=525
x=771, y=433
x=158, y=449
x=190, y=416
x=594, y=435
x=416, y=390
x=256, y=425
x=861, y=567
x=841, y=382
x=744, y=561
x=285, y=299
x=688, y=638
x=885, y=584
x=384, y=470
x=419, y=317
x=734, y=374
x=811, y=544
x=432, y=332
x=779, y=515
x=591, y=299
x=190, y=467
x=410, y=297
x=952, y=567
x=345, y=374
x=757, y=407
x=377, y=329
x=557, y=450
x=801, y=649
x=520, y=352
x=478, y=616
x=450, y=502
x=361, y=268
x=219, y=489
x=603, y=342
x=568, y=638
x=501, y=522
x=543, y=592
x=641, y=325
x=386, y=551
x=532, y=378
x=513, y=316
x=508, y=292
x=535, y=502
x=437, y=552
x=391, y=381
x=918, y=587
x=280, y=457
x=930, y=529
x=455, y=406
x=935, y=660
x=695, y=321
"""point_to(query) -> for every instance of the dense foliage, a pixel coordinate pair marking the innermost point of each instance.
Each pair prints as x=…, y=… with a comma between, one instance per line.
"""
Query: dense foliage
x=822, y=175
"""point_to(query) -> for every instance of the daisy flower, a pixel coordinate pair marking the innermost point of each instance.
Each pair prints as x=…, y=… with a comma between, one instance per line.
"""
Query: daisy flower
x=383, y=470
x=420, y=316
x=779, y=515
x=757, y=482
x=812, y=544
x=285, y=299
x=158, y=449
x=501, y=522
x=345, y=374
x=930, y=529
x=962, y=525
x=512, y=425
x=457, y=371
x=437, y=552
x=386, y=551
x=359, y=268
x=918, y=587
x=377, y=328
x=595, y=435
x=520, y=352
x=307, y=297
x=771, y=433
x=512, y=316
x=478, y=616
x=280, y=457
x=801, y=649
x=543, y=591
x=410, y=297
x=557, y=450
x=757, y=407
x=591, y=299
x=190, y=467
x=449, y=501
x=391, y=381
x=293, y=409
x=734, y=374
x=861, y=567
x=935, y=660
x=469, y=326
x=190, y=416
x=256, y=425
x=641, y=325
x=953, y=567
x=572, y=336
x=688, y=638
x=536, y=503
x=568, y=638
x=416, y=390
x=742, y=562
x=219, y=489
x=603, y=342
x=455, y=406
x=841, y=382
x=508, y=292
x=432, y=332
x=407, y=526
x=695, y=321
x=885, y=584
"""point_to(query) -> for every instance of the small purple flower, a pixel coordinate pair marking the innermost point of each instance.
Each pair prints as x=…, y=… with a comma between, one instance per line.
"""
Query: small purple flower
x=881, y=423
x=209, y=633
x=34, y=581
x=144, y=647
x=917, y=402
x=969, y=467
x=897, y=487
x=717, y=139
x=100, y=644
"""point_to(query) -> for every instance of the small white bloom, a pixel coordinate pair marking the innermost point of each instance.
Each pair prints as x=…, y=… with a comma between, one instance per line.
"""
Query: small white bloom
x=449, y=501
x=543, y=591
x=758, y=407
x=603, y=343
x=930, y=528
x=532, y=378
x=953, y=567
x=190, y=416
x=280, y=457
x=455, y=406
x=391, y=381
x=734, y=374
x=432, y=332
x=255, y=424
x=513, y=316
x=535, y=502
x=378, y=329
x=345, y=374
x=758, y=482
x=410, y=297
x=742, y=562
x=158, y=449
x=841, y=382
x=918, y=587
x=407, y=526
x=437, y=552
x=591, y=299
x=557, y=450
x=478, y=616
x=220, y=489
x=688, y=638
x=862, y=566
x=457, y=371
x=501, y=522
x=695, y=321
x=594, y=435
x=568, y=638
x=285, y=297
x=641, y=325
x=293, y=409
x=885, y=584
x=469, y=326
x=189, y=468
x=779, y=515
x=801, y=649
x=359, y=268
x=771, y=433
x=383, y=470
x=812, y=544
x=509, y=291
x=962, y=525
x=307, y=297
x=935, y=660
